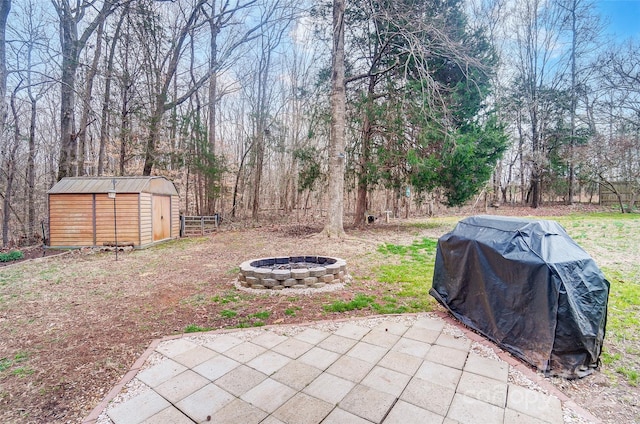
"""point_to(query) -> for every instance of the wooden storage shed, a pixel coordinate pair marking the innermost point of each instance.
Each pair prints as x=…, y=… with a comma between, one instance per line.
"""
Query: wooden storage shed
x=81, y=211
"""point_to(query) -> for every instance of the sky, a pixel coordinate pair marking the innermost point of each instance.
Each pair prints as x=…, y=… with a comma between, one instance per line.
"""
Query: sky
x=623, y=17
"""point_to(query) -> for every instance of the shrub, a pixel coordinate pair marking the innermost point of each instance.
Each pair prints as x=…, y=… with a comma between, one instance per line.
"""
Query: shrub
x=14, y=255
x=193, y=328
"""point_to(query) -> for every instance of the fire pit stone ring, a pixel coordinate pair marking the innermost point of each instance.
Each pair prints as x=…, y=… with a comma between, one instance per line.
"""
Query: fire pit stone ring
x=297, y=272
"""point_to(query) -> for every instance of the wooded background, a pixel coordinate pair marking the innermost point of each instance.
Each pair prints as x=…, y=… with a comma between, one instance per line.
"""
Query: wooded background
x=447, y=100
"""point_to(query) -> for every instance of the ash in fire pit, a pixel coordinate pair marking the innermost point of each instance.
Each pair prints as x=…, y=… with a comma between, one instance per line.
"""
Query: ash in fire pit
x=298, y=272
x=296, y=265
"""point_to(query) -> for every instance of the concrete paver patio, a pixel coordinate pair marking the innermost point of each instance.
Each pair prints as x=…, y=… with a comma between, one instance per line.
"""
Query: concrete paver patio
x=393, y=369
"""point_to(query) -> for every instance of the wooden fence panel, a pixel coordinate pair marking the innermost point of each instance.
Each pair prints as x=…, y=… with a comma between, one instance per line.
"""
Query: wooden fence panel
x=609, y=198
x=198, y=225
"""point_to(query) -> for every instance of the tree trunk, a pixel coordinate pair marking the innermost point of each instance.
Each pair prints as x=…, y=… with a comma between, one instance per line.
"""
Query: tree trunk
x=67, y=100
x=334, y=225
x=632, y=201
x=104, y=124
x=213, y=93
x=125, y=129
x=574, y=33
x=234, y=205
x=535, y=171
x=161, y=98
x=31, y=172
x=213, y=82
x=5, y=7
x=127, y=85
x=10, y=167
x=86, y=104
x=255, y=207
x=365, y=155
x=154, y=131
x=71, y=47
x=261, y=124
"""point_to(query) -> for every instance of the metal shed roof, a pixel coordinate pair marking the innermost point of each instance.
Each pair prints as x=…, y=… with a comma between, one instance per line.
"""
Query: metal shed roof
x=87, y=185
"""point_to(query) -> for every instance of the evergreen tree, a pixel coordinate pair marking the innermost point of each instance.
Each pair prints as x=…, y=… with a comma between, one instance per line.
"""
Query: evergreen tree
x=419, y=80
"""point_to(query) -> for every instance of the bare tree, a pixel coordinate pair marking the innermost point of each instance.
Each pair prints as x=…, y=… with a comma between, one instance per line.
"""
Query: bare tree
x=32, y=80
x=106, y=102
x=72, y=43
x=161, y=103
x=5, y=7
x=334, y=225
x=584, y=29
x=536, y=30
x=219, y=16
x=614, y=163
x=36, y=89
x=620, y=75
x=613, y=157
x=10, y=168
x=86, y=104
x=264, y=98
x=303, y=157
x=261, y=124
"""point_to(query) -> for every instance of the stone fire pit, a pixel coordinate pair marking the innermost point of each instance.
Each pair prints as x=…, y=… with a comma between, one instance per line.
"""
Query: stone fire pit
x=297, y=272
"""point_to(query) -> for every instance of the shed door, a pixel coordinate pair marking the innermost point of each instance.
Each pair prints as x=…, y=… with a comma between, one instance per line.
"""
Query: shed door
x=161, y=217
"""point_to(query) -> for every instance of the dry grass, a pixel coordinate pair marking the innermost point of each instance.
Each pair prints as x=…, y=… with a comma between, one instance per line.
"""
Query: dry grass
x=71, y=326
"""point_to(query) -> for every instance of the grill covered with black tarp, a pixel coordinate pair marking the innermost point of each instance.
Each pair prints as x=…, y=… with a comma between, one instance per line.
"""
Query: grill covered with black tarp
x=527, y=286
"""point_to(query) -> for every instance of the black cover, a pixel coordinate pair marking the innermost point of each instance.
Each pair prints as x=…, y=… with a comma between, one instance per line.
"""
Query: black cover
x=527, y=286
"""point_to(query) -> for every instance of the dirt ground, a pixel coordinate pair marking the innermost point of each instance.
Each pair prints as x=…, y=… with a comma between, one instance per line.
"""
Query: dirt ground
x=72, y=325
x=33, y=252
